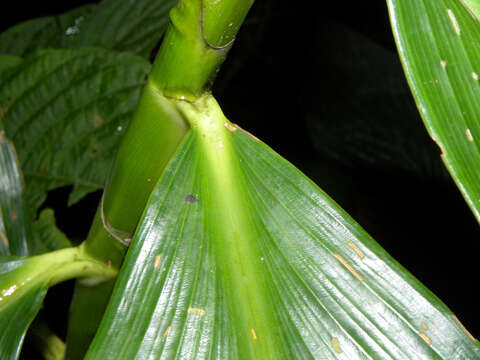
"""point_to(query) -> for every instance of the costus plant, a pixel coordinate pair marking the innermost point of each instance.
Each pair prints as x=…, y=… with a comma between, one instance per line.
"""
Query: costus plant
x=206, y=243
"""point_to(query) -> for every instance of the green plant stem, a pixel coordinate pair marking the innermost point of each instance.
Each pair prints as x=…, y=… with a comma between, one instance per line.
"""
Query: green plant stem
x=48, y=344
x=195, y=45
x=55, y=267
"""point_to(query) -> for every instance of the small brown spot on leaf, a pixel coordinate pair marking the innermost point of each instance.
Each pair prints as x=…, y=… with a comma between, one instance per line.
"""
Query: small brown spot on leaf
x=355, y=248
x=336, y=346
x=425, y=338
x=85, y=268
x=230, y=127
x=158, y=260
x=454, y=22
x=435, y=140
x=97, y=121
x=424, y=326
x=349, y=267
x=248, y=133
x=190, y=199
x=4, y=238
x=14, y=215
x=469, y=134
x=167, y=332
x=196, y=311
x=463, y=328
x=109, y=263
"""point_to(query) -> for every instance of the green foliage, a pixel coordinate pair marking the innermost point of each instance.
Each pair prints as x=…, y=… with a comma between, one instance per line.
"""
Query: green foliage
x=66, y=111
x=237, y=253
x=442, y=65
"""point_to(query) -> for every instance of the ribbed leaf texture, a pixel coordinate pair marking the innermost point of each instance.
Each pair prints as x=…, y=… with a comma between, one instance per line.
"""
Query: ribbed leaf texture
x=438, y=45
x=248, y=259
x=66, y=110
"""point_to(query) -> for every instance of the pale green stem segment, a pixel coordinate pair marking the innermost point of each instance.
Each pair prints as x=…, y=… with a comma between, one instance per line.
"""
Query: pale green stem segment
x=194, y=47
x=236, y=249
x=52, y=268
x=47, y=343
x=196, y=44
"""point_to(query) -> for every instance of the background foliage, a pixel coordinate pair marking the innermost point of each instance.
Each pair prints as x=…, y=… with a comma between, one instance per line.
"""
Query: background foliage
x=329, y=76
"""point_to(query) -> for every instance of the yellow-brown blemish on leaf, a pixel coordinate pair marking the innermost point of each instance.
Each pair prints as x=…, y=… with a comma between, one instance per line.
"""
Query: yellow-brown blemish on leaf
x=349, y=267
x=109, y=263
x=425, y=338
x=424, y=326
x=474, y=76
x=230, y=127
x=167, y=331
x=435, y=140
x=355, y=248
x=248, y=133
x=157, y=262
x=464, y=328
x=97, y=121
x=454, y=22
x=4, y=238
x=253, y=333
x=443, y=63
x=196, y=311
x=469, y=134
x=2, y=134
x=336, y=346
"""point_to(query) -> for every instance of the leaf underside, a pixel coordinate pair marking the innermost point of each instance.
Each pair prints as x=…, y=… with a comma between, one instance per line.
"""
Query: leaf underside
x=298, y=280
x=438, y=45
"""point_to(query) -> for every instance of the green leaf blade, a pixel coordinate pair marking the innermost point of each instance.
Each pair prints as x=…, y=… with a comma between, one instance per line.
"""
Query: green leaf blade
x=252, y=260
x=127, y=26
x=66, y=110
x=442, y=64
x=46, y=32
x=14, y=221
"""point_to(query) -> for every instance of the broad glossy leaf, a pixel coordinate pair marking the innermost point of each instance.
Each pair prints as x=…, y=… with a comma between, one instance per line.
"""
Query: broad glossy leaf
x=135, y=26
x=240, y=256
x=66, y=110
x=473, y=6
x=14, y=221
x=46, y=32
x=438, y=45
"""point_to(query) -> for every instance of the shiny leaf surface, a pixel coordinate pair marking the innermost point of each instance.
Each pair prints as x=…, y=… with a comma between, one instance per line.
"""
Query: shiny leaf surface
x=438, y=45
x=66, y=110
x=24, y=282
x=14, y=221
x=240, y=256
x=16, y=317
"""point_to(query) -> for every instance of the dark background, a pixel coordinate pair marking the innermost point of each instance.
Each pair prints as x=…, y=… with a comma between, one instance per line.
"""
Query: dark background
x=325, y=89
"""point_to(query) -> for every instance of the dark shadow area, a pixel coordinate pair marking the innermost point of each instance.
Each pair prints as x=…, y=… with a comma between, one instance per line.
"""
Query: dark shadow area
x=308, y=84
